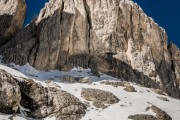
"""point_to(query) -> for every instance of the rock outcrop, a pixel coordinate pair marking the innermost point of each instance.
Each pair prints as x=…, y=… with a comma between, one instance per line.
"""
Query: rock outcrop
x=73, y=79
x=10, y=95
x=99, y=98
x=12, y=16
x=160, y=115
x=114, y=37
x=44, y=101
x=38, y=101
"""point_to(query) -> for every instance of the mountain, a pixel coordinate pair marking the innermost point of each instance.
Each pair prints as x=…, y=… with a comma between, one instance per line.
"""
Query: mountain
x=112, y=37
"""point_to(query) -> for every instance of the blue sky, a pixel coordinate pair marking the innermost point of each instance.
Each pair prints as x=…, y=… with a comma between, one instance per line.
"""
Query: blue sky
x=165, y=12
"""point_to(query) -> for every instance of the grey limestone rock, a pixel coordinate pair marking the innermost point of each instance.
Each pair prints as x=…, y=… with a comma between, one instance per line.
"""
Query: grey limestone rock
x=12, y=16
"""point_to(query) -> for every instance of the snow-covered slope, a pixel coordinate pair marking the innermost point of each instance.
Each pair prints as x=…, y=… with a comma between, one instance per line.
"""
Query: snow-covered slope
x=130, y=102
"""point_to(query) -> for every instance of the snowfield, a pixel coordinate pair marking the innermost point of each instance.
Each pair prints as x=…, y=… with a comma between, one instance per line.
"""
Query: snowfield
x=130, y=102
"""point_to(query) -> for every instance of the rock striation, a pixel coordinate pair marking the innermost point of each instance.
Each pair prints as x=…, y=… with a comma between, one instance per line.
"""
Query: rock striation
x=114, y=37
x=12, y=16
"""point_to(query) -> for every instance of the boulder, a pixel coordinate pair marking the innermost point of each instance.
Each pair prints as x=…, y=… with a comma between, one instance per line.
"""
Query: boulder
x=129, y=88
x=72, y=79
x=44, y=101
x=161, y=115
x=99, y=98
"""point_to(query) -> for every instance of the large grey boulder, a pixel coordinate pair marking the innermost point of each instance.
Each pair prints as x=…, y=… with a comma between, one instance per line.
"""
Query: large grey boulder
x=10, y=95
x=12, y=16
x=44, y=101
x=114, y=37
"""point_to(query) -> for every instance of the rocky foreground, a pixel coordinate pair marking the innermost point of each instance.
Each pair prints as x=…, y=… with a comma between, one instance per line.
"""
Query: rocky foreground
x=28, y=93
x=114, y=37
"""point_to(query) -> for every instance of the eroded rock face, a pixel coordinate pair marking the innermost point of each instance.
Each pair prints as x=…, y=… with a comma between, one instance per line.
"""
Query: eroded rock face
x=10, y=95
x=50, y=100
x=99, y=98
x=12, y=15
x=114, y=37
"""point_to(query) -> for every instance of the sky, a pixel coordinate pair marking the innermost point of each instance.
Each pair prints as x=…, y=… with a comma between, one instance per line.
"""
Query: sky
x=164, y=12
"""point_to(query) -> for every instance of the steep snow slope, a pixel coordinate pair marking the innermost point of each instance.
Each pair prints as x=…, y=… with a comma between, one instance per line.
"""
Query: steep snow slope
x=129, y=104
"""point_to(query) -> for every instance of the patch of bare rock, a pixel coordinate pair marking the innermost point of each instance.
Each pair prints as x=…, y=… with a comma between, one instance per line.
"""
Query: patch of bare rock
x=158, y=91
x=115, y=83
x=162, y=98
x=128, y=87
x=142, y=117
x=99, y=98
x=72, y=79
x=160, y=115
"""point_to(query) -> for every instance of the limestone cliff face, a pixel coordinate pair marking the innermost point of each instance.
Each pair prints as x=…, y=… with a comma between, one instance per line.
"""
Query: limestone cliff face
x=12, y=15
x=112, y=36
